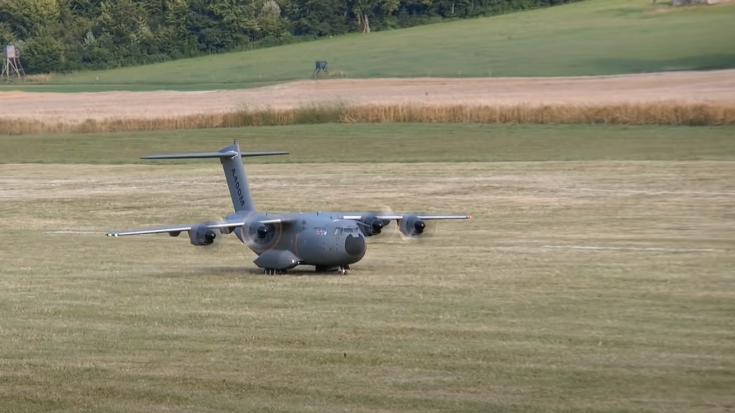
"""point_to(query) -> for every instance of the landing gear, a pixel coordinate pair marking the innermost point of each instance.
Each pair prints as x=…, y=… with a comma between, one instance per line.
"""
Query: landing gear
x=341, y=270
x=273, y=271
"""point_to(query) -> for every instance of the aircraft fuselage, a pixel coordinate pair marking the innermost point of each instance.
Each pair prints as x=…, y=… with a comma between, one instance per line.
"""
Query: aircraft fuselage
x=319, y=239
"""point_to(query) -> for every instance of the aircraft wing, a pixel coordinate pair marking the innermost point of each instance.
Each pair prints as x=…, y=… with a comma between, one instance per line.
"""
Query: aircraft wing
x=403, y=216
x=410, y=225
x=179, y=228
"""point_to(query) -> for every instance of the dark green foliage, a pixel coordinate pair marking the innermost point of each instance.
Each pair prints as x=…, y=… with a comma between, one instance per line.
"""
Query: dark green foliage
x=43, y=54
x=65, y=35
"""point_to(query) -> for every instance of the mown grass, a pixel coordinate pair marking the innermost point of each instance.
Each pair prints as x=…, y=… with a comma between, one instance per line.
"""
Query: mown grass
x=500, y=313
x=594, y=37
x=649, y=113
x=378, y=143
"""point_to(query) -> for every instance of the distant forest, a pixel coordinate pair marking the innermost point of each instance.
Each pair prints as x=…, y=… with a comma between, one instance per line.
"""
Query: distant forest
x=67, y=35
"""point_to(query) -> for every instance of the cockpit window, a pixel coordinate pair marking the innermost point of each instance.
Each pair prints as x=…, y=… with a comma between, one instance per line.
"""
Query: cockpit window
x=348, y=230
x=338, y=231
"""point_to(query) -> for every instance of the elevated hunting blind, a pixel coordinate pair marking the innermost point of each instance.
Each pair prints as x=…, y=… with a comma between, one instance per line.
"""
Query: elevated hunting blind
x=9, y=51
x=11, y=62
x=321, y=66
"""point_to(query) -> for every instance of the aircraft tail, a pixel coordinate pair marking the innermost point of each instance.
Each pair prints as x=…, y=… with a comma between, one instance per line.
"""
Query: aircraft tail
x=231, y=160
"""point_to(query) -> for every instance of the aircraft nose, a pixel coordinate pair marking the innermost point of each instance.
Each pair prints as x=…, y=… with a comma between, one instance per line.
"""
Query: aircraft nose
x=355, y=245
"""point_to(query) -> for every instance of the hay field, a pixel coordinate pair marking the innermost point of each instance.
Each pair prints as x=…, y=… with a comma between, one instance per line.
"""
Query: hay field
x=685, y=87
x=583, y=285
x=685, y=98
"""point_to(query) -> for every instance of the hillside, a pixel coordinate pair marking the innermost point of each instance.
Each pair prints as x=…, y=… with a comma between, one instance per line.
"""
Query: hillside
x=595, y=37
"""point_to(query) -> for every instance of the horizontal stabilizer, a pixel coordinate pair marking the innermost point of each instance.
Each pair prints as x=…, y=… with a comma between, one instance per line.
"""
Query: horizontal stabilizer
x=225, y=154
x=231, y=159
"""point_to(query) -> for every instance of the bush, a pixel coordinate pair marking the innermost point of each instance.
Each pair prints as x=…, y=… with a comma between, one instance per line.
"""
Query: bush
x=43, y=54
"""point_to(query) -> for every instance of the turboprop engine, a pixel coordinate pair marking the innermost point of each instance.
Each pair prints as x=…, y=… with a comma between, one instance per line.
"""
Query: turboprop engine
x=258, y=236
x=200, y=235
x=370, y=225
x=411, y=226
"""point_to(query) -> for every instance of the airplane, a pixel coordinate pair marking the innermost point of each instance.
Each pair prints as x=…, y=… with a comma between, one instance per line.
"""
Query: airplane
x=329, y=241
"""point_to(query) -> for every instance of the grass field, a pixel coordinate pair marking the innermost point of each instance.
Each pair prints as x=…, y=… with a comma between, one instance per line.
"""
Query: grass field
x=595, y=37
x=386, y=143
x=603, y=283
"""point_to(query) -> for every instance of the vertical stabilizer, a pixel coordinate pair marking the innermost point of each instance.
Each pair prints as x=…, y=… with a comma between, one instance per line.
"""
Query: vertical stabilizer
x=237, y=181
x=231, y=160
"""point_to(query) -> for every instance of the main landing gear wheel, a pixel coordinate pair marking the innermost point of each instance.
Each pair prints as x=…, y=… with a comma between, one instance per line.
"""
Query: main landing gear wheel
x=341, y=270
x=273, y=271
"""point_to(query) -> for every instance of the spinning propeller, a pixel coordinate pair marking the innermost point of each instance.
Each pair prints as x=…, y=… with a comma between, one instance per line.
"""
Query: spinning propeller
x=201, y=235
x=256, y=234
x=411, y=228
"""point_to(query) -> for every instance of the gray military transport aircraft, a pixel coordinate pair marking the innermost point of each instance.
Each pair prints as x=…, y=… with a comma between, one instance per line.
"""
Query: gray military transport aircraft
x=330, y=241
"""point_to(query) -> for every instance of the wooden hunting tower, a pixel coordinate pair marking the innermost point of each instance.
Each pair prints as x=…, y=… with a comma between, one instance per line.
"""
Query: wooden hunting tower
x=11, y=62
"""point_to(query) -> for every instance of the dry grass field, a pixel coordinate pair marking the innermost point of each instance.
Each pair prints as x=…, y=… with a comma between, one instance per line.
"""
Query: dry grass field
x=655, y=98
x=585, y=285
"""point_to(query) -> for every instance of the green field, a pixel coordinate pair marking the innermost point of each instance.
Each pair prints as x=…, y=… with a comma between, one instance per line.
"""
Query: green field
x=595, y=276
x=381, y=143
x=594, y=37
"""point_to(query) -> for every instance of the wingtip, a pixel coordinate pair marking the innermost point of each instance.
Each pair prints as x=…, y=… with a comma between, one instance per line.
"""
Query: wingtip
x=469, y=216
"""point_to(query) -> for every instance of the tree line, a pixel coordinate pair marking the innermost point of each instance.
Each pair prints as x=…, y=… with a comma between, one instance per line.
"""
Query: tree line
x=68, y=35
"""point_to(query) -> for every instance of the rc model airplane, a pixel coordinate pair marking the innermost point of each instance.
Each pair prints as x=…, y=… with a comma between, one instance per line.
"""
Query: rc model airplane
x=330, y=241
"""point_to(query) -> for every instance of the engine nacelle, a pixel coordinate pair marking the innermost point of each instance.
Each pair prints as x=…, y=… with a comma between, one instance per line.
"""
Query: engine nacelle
x=259, y=237
x=412, y=226
x=370, y=225
x=201, y=235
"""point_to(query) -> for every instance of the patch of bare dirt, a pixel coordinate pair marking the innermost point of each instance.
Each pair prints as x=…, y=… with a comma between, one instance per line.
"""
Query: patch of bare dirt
x=710, y=86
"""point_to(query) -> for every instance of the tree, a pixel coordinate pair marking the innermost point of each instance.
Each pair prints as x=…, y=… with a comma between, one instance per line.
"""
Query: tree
x=43, y=54
x=123, y=29
x=6, y=33
x=28, y=18
x=318, y=17
x=270, y=22
x=174, y=34
x=364, y=9
x=77, y=34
